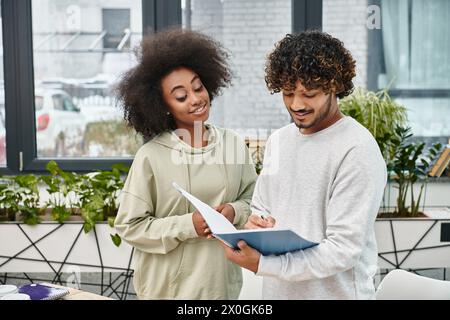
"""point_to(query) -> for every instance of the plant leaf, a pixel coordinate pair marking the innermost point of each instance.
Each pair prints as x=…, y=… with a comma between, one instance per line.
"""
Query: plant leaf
x=116, y=239
x=111, y=221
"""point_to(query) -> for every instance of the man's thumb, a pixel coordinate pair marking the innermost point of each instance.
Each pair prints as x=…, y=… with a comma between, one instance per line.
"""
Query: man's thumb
x=242, y=245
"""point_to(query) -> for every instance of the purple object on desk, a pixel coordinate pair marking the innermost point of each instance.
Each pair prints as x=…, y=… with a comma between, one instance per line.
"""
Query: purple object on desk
x=38, y=291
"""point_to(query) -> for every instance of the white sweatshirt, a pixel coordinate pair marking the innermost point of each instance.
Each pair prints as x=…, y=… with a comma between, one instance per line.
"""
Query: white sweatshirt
x=327, y=187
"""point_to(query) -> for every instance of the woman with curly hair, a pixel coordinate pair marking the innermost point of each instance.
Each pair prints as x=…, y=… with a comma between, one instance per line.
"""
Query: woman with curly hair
x=329, y=183
x=167, y=98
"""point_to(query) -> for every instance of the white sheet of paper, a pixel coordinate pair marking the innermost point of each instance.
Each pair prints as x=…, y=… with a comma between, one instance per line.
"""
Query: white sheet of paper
x=215, y=221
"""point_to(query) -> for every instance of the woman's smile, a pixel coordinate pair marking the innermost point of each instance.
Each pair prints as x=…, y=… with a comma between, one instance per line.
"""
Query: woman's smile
x=200, y=110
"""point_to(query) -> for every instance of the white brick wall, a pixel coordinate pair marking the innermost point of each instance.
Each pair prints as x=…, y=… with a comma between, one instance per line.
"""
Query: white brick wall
x=346, y=20
x=249, y=31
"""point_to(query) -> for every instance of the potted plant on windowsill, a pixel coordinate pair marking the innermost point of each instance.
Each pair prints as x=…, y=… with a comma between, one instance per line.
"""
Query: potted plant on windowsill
x=19, y=199
x=379, y=114
x=9, y=199
x=406, y=237
x=407, y=167
x=413, y=236
x=71, y=226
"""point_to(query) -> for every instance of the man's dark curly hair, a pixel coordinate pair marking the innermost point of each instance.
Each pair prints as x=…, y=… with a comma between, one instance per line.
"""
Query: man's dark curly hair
x=316, y=59
x=139, y=91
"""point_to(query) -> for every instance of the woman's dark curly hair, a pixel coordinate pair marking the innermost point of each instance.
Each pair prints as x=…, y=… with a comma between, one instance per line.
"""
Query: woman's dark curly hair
x=139, y=91
x=316, y=59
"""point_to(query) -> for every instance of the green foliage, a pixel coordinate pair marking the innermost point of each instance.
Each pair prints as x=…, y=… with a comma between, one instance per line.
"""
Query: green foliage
x=99, y=194
x=9, y=199
x=28, y=196
x=377, y=112
x=62, y=188
x=116, y=239
x=92, y=209
x=111, y=221
x=93, y=195
x=409, y=165
x=20, y=194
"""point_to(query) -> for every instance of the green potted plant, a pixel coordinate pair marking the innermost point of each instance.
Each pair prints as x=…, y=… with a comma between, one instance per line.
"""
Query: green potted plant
x=408, y=166
x=405, y=238
x=99, y=197
x=62, y=188
x=19, y=198
x=93, y=197
x=379, y=113
x=28, y=195
x=90, y=197
x=9, y=199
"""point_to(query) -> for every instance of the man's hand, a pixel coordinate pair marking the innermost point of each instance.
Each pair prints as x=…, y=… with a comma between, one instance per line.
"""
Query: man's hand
x=200, y=225
x=227, y=210
x=256, y=222
x=246, y=256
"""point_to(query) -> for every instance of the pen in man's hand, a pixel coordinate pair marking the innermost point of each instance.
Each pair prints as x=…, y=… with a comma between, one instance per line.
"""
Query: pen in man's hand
x=268, y=220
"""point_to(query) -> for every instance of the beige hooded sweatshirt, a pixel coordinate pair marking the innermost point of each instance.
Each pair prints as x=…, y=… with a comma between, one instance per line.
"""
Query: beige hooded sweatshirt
x=171, y=261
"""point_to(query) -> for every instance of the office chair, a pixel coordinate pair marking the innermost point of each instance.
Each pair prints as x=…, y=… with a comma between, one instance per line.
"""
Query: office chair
x=402, y=285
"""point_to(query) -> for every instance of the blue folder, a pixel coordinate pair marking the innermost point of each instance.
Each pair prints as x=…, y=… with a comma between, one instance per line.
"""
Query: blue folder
x=267, y=241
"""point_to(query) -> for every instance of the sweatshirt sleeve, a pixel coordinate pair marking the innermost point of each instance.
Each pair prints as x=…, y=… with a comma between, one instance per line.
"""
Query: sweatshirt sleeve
x=351, y=212
x=136, y=222
x=241, y=205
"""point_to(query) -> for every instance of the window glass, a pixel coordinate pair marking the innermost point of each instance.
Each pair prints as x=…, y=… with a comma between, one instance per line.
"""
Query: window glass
x=81, y=48
x=402, y=45
x=416, y=42
x=248, y=29
x=38, y=102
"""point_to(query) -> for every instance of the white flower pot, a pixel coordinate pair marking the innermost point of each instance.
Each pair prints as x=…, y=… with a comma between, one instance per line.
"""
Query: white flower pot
x=54, y=247
x=414, y=243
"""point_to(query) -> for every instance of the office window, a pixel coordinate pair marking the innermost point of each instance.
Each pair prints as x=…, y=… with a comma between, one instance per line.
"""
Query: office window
x=406, y=50
x=2, y=103
x=416, y=46
x=80, y=50
x=116, y=22
x=248, y=29
x=346, y=20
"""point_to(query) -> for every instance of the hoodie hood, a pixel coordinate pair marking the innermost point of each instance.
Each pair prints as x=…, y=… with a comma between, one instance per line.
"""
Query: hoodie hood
x=172, y=141
x=190, y=158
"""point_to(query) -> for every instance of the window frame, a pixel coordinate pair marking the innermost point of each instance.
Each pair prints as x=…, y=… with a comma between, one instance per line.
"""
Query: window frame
x=20, y=120
x=375, y=65
x=306, y=15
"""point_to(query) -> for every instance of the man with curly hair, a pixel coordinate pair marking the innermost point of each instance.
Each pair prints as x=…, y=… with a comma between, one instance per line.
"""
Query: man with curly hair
x=167, y=98
x=327, y=183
